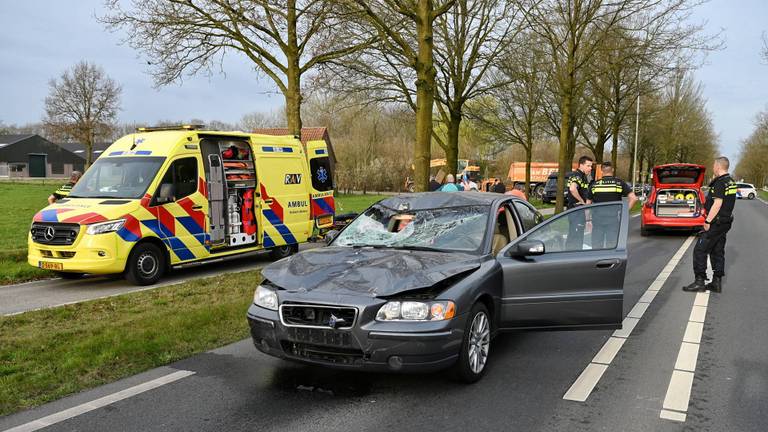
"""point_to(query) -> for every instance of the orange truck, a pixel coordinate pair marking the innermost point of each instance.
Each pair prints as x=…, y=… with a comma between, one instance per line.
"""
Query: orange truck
x=541, y=172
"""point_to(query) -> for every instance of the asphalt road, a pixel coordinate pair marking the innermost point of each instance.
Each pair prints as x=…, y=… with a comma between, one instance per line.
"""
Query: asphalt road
x=235, y=388
x=48, y=293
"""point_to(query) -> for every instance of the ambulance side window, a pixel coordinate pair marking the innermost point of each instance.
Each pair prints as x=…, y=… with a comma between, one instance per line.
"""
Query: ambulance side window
x=320, y=170
x=182, y=174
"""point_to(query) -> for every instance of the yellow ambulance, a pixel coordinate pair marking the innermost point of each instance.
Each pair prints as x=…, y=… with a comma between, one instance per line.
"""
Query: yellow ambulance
x=169, y=197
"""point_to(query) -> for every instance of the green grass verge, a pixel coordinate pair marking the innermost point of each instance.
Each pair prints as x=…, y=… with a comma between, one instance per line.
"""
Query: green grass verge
x=355, y=203
x=48, y=354
x=762, y=194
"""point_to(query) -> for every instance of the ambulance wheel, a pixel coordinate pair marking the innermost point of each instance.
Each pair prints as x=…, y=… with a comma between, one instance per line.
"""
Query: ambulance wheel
x=281, y=252
x=145, y=264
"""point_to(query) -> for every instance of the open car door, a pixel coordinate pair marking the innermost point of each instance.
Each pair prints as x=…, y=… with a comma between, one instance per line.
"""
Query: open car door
x=567, y=272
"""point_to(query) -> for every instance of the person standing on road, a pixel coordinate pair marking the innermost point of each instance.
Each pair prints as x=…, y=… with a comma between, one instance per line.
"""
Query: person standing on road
x=605, y=221
x=64, y=190
x=577, y=183
x=721, y=198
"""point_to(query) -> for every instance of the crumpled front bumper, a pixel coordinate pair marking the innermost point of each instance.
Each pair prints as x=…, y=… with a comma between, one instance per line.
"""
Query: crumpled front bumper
x=369, y=345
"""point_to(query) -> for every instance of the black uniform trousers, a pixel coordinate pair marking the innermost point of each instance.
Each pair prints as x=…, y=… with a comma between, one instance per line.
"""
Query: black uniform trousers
x=711, y=243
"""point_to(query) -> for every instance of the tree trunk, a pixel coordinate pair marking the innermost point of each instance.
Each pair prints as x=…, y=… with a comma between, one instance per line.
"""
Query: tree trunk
x=88, y=150
x=293, y=75
x=528, y=159
x=452, y=152
x=425, y=95
x=615, y=143
x=564, y=160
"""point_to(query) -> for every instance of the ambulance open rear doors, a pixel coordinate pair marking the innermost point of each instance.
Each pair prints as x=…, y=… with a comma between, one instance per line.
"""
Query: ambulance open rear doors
x=323, y=206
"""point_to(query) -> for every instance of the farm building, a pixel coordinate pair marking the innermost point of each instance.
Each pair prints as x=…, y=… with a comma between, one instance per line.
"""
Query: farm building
x=31, y=155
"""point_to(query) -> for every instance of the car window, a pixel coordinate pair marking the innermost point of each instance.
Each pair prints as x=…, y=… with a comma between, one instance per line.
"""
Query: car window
x=586, y=228
x=322, y=179
x=182, y=174
x=529, y=216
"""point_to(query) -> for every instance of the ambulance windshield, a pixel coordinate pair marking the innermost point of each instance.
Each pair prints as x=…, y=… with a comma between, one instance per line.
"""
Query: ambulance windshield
x=117, y=177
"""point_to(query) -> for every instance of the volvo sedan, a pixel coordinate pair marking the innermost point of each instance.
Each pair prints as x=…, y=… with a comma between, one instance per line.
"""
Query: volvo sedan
x=420, y=282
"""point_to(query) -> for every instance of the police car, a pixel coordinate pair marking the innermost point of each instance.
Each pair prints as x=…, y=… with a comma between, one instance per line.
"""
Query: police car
x=746, y=190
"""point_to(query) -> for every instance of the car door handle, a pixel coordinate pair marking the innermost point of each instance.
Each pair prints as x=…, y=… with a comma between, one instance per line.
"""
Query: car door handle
x=197, y=207
x=268, y=201
x=607, y=264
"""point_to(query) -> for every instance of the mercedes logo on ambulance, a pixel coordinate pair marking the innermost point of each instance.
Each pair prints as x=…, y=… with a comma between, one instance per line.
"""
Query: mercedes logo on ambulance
x=49, y=233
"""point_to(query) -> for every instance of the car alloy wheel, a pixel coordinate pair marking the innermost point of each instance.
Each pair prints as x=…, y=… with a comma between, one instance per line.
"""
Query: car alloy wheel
x=479, y=342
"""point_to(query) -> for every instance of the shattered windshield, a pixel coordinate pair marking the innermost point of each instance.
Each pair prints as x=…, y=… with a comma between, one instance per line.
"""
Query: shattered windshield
x=445, y=229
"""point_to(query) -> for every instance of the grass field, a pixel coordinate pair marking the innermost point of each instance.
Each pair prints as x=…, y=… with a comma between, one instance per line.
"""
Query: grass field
x=48, y=354
x=763, y=194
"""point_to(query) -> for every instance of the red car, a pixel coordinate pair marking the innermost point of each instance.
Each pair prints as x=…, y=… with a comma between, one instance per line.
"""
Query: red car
x=676, y=200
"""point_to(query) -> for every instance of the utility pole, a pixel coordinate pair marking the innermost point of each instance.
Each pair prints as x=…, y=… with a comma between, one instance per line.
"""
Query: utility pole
x=637, y=136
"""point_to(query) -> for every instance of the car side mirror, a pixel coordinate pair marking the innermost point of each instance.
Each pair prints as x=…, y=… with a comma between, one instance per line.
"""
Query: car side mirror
x=527, y=248
x=330, y=235
x=165, y=194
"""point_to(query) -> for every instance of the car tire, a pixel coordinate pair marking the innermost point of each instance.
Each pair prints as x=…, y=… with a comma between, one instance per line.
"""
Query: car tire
x=538, y=191
x=473, y=357
x=69, y=275
x=644, y=232
x=751, y=196
x=280, y=252
x=146, y=264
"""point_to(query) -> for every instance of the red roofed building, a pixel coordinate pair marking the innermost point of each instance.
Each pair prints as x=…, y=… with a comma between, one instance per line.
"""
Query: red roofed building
x=307, y=134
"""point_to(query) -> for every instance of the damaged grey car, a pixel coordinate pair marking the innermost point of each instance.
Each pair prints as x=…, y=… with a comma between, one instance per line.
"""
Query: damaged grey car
x=424, y=281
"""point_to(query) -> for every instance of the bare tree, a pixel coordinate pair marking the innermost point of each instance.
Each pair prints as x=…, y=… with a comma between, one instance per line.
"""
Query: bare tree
x=469, y=39
x=285, y=39
x=82, y=105
x=513, y=109
x=260, y=120
x=405, y=32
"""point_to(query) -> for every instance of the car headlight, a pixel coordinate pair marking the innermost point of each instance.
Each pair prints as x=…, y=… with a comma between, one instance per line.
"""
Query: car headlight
x=105, y=227
x=416, y=311
x=265, y=298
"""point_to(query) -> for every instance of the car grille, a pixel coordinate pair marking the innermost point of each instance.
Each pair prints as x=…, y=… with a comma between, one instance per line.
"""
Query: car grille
x=54, y=233
x=318, y=336
x=317, y=316
x=346, y=356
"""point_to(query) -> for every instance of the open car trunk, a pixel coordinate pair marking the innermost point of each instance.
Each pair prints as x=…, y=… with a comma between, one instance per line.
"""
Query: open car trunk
x=677, y=203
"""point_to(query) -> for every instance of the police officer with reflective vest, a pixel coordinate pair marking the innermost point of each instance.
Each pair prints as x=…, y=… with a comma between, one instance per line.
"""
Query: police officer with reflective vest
x=721, y=198
x=577, y=183
x=606, y=221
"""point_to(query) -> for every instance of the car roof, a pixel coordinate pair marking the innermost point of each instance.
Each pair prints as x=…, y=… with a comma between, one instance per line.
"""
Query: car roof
x=431, y=200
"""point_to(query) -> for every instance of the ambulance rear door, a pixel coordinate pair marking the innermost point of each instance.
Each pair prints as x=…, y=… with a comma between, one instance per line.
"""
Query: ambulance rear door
x=282, y=187
x=323, y=206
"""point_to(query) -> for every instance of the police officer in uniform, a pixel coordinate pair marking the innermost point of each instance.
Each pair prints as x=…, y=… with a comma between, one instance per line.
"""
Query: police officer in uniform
x=577, y=183
x=606, y=221
x=721, y=198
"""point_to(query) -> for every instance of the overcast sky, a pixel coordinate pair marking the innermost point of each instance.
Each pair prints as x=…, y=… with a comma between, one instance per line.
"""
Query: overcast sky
x=40, y=39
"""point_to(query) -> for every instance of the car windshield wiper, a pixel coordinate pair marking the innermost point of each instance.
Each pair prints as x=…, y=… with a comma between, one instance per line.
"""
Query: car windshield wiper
x=374, y=246
x=417, y=248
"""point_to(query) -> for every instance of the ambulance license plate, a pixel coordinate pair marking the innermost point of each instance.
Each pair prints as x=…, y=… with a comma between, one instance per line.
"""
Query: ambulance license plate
x=50, y=265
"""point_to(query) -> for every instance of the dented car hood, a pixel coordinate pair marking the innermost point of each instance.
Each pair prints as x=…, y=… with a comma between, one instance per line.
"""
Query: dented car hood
x=366, y=271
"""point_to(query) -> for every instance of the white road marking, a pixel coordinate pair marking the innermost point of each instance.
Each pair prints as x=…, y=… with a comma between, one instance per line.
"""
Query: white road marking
x=100, y=402
x=586, y=382
x=671, y=415
x=686, y=358
x=679, y=390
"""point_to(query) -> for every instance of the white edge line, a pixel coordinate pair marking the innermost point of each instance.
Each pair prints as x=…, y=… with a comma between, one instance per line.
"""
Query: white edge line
x=590, y=376
x=100, y=402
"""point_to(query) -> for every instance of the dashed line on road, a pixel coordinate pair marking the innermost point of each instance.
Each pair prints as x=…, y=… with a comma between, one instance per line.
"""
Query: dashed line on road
x=100, y=402
x=678, y=395
x=588, y=379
